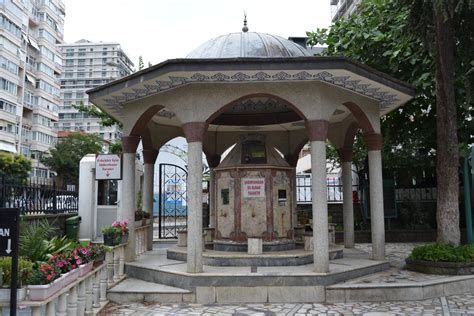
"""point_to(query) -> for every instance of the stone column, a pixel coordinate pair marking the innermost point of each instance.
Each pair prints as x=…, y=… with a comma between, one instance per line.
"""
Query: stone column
x=129, y=145
x=373, y=142
x=345, y=154
x=213, y=161
x=194, y=133
x=317, y=132
x=149, y=158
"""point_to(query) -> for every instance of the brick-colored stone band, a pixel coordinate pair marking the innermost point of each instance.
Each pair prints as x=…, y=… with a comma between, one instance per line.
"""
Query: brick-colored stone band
x=130, y=143
x=149, y=156
x=194, y=131
x=373, y=141
x=317, y=130
x=345, y=153
x=213, y=160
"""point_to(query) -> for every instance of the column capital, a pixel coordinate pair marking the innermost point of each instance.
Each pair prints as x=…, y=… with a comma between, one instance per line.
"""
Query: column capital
x=130, y=143
x=213, y=160
x=149, y=156
x=317, y=130
x=194, y=131
x=373, y=141
x=345, y=153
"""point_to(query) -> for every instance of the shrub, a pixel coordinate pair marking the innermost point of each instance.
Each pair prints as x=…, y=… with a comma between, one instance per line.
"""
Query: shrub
x=25, y=271
x=443, y=253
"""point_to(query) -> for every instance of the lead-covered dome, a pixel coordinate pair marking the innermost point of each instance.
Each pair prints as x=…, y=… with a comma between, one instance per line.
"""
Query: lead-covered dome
x=248, y=44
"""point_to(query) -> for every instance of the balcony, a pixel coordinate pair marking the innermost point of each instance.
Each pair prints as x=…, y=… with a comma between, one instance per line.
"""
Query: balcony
x=27, y=122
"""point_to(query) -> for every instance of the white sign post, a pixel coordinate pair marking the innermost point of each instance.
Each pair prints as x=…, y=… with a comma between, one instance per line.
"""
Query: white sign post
x=108, y=167
x=253, y=187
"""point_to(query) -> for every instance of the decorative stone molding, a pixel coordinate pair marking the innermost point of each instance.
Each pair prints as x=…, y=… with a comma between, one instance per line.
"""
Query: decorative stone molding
x=130, y=143
x=194, y=131
x=373, y=141
x=317, y=130
x=149, y=156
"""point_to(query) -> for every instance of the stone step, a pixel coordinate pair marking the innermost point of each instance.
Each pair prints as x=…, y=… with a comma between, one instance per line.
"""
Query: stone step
x=133, y=290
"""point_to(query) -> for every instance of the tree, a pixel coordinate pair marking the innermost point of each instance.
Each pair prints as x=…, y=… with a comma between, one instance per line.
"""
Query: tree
x=64, y=158
x=379, y=35
x=141, y=65
x=450, y=24
x=92, y=110
x=16, y=168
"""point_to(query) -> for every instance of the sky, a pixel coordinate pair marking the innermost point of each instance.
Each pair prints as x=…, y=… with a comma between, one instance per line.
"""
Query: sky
x=166, y=29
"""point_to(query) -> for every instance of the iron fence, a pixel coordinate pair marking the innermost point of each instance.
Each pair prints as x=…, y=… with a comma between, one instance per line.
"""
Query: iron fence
x=38, y=196
x=334, y=189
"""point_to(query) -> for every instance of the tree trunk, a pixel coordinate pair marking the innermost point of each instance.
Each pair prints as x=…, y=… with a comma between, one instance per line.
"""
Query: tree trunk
x=447, y=212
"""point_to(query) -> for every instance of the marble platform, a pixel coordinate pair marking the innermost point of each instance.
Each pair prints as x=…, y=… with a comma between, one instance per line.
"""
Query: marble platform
x=294, y=257
x=155, y=267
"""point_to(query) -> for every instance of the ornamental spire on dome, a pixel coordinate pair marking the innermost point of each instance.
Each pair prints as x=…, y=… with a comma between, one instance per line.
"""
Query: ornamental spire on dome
x=245, y=28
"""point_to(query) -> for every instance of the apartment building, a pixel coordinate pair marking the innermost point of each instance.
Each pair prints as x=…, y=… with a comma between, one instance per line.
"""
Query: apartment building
x=87, y=65
x=30, y=67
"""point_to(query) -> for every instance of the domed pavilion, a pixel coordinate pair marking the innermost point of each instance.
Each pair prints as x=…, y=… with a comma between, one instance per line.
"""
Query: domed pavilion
x=269, y=96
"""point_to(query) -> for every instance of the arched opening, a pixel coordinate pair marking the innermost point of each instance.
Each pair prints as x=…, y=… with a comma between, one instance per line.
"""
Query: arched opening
x=256, y=110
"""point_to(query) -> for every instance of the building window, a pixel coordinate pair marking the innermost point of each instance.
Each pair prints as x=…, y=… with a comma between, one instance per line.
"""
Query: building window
x=253, y=152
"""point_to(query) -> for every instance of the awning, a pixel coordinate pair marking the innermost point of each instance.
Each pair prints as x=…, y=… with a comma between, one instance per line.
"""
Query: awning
x=33, y=43
x=8, y=147
x=31, y=79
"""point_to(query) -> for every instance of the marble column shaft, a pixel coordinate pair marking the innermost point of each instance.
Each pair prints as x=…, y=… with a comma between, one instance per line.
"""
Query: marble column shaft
x=149, y=157
x=194, y=133
x=128, y=202
x=317, y=132
x=348, y=207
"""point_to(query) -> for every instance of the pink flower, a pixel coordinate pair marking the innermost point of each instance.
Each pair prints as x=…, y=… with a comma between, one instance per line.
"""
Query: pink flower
x=78, y=261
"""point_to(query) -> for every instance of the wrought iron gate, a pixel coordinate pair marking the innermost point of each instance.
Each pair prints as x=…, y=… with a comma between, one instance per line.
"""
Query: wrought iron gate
x=172, y=207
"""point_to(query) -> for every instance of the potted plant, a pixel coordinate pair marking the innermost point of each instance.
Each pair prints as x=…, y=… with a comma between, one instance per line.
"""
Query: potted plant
x=25, y=271
x=139, y=215
x=116, y=234
x=112, y=235
x=146, y=218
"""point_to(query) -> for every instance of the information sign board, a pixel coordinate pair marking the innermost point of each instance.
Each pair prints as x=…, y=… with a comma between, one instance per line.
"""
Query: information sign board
x=108, y=167
x=253, y=187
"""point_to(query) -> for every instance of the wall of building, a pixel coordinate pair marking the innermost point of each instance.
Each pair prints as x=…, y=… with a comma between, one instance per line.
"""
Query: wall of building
x=88, y=65
x=30, y=66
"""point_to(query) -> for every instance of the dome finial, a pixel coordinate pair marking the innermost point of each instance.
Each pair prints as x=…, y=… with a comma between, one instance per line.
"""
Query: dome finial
x=245, y=28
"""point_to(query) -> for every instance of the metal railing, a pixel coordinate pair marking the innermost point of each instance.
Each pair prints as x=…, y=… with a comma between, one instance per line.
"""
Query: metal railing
x=334, y=189
x=38, y=197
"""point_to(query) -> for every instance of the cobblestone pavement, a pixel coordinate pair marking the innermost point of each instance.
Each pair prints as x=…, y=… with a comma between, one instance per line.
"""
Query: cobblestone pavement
x=452, y=305
x=396, y=254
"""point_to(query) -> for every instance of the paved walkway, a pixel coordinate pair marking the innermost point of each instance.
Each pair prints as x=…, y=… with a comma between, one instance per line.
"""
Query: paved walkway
x=396, y=254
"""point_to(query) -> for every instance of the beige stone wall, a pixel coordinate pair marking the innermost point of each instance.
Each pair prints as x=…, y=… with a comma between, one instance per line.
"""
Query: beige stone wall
x=225, y=213
x=254, y=211
x=282, y=213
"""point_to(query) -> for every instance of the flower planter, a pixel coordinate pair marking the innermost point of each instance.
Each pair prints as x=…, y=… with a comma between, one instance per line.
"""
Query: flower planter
x=449, y=268
x=112, y=240
x=85, y=268
x=42, y=292
x=138, y=223
x=69, y=277
x=5, y=294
